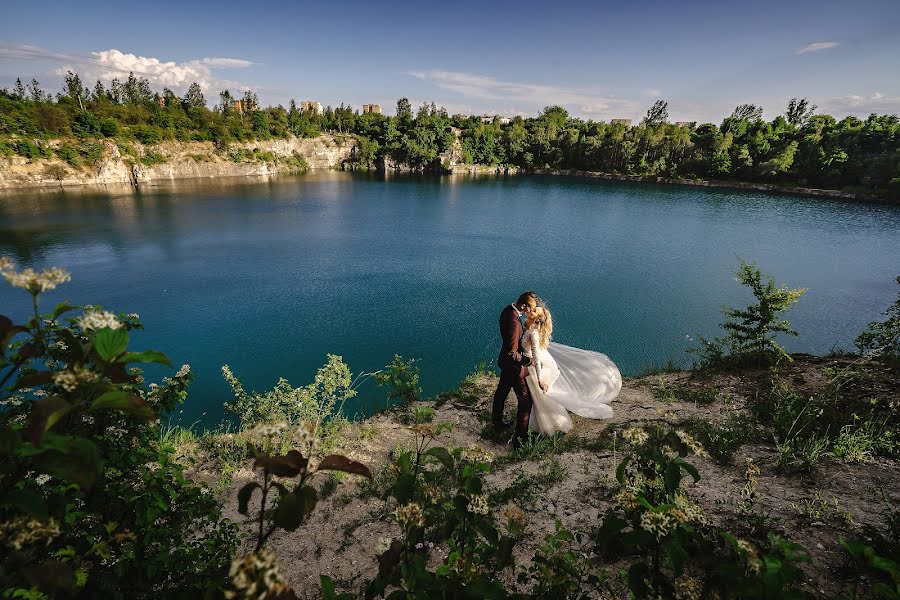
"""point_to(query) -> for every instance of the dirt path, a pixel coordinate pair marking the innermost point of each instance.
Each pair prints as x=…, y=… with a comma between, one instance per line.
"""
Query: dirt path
x=574, y=485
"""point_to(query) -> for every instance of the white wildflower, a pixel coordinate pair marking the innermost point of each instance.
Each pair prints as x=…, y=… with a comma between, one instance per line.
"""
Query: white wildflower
x=478, y=504
x=478, y=455
x=31, y=280
x=410, y=515
x=184, y=370
x=21, y=531
x=635, y=436
x=659, y=523
x=256, y=576
x=99, y=319
x=689, y=441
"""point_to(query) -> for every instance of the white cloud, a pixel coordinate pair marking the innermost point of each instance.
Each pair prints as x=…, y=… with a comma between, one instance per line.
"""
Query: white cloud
x=815, y=47
x=653, y=93
x=108, y=64
x=861, y=105
x=484, y=87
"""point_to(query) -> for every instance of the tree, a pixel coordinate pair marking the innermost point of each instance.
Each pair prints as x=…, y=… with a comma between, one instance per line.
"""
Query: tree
x=19, y=91
x=404, y=112
x=250, y=101
x=34, y=88
x=100, y=94
x=750, y=332
x=658, y=113
x=194, y=97
x=748, y=112
x=882, y=339
x=226, y=100
x=799, y=111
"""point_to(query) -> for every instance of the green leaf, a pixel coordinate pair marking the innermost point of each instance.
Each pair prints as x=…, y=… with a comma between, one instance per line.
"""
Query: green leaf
x=9, y=440
x=672, y=476
x=244, y=496
x=336, y=462
x=620, y=470
x=27, y=501
x=147, y=356
x=72, y=459
x=442, y=455
x=50, y=577
x=289, y=512
x=110, y=343
x=691, y=469
x=127, y=402
x=62, y=307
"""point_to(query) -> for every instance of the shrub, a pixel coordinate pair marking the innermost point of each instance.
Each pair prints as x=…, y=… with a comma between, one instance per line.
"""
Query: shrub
x=151, y=157
x=882, y=339
x=402, y=376
x=32, y=150
x=92, y=505
x=109, y=127
x=750, y=332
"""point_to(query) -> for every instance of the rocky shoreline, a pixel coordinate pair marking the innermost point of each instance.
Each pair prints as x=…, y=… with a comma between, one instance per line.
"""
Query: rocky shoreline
x=134, y=164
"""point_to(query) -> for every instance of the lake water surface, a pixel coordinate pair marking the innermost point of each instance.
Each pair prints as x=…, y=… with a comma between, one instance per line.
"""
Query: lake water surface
x=269, y=277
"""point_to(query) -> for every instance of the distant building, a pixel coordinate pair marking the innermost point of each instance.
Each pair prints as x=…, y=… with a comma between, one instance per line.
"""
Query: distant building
x=505, y=120
x=240, y=106
x=625, y=122
x=375, y=109
x=688, y=124
x=161, y=100
x=460, y=117
x=311, y=105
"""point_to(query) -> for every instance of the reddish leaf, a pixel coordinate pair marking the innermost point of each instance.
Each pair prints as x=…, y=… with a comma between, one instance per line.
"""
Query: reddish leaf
x=336, y=462
x=124, y=401
x=33, y=379
x=290, y=465
x=45, y=413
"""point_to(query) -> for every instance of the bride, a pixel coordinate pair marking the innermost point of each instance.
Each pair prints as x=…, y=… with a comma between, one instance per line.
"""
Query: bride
x=562, y=379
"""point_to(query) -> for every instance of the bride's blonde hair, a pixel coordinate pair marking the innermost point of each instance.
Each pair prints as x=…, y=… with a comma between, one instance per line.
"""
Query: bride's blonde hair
x=545, y=326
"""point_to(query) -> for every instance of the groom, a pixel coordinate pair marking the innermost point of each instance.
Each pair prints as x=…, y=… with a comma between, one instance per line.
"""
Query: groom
x=514, y=367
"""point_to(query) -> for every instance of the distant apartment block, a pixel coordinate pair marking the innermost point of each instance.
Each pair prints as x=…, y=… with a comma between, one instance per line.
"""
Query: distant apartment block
x=688, y=124
x=311, y=105
x=241, y=106
x=490, y=119
x=375, y=109
x=625, y=122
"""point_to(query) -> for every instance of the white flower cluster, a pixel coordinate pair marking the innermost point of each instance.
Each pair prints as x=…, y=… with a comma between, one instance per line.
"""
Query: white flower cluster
x=658, y=522
x=70, y=379
x=635, y=436
x=184, y=370
x=753, y=564
x=99, y=319
x=256, y=576
x=689, y=441
x=410, y=515
x=688, y=588
x=686, y=510
x=21, y=531
x=269, y=429
x=478, y=454
x=478, y=504
x=31, y=280
x=425, y=546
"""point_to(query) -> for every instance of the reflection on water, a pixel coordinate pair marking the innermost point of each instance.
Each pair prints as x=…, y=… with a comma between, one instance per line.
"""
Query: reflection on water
x=269, y=276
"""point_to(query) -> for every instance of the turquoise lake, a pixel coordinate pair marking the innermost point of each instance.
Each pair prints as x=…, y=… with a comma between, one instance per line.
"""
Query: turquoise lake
x=268, y=277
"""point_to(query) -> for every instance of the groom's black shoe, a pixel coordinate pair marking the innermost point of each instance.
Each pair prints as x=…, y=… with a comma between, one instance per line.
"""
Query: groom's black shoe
x=500, y=425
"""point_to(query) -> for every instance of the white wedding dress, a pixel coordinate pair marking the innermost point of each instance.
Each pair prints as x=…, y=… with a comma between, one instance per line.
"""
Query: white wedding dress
x=580, y=381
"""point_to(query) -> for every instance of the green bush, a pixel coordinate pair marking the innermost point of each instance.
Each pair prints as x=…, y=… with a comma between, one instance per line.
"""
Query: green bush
x=882, y=339
x=92, y=505
x=402, y=377
x=750, y=332
x=151, y=157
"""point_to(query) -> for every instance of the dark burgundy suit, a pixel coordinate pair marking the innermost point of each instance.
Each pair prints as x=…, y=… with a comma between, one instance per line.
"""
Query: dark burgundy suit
x=513, y=370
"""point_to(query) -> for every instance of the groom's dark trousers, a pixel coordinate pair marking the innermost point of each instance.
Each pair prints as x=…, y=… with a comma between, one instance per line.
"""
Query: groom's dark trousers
x=513, y=370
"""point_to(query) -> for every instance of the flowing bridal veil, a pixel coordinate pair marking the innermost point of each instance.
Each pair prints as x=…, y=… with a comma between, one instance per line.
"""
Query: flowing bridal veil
x=588, y=381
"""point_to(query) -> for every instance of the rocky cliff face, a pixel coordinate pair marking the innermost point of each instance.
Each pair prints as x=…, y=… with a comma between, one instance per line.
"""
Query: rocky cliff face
x=135, y=164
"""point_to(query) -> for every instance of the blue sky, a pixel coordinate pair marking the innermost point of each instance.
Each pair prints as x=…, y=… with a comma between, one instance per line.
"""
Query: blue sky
x=598, y=59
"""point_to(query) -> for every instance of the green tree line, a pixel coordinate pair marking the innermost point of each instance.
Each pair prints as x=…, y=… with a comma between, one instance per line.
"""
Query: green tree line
x=799, y=147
